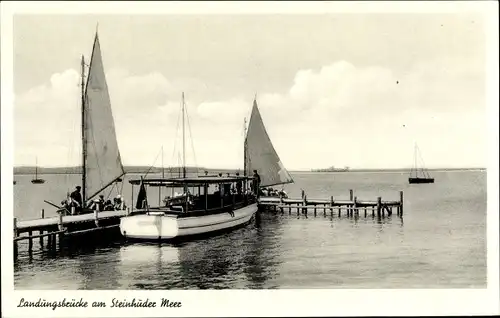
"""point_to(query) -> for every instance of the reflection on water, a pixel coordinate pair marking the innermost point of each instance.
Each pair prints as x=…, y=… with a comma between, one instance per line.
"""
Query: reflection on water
x=240, y=259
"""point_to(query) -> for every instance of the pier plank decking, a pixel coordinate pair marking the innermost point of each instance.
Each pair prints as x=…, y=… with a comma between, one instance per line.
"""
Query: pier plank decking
x=42, y=224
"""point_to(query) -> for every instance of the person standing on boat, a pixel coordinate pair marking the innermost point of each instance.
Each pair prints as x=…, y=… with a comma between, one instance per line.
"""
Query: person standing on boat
x=76, y=199
x=239, y=187
x=256, y=183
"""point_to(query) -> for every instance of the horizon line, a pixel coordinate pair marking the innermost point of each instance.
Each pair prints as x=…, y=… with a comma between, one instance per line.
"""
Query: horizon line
x=239, y=168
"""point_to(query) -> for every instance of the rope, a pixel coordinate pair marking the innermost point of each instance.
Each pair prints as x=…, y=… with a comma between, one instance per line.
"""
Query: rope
x=147, y=172
x=192, y=139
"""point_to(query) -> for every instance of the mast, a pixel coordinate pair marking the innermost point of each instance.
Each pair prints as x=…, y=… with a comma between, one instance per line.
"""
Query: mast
x=162, y=176
x=84, y=142
x=183, y=141
x=162, y=168
x=245, y=147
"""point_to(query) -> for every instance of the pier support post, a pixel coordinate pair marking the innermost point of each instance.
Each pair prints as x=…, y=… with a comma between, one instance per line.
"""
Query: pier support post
x=356, y=210
x=365, y=211
x=60, y=222
x=41, y=238
x=15, y=235
x=281, y=204
x=351, y=198
x=379, y=206
x=30, y=242
x=331, y=205
x=401, y=203
x=60, y=226
x=96, y=216
x=304, y=208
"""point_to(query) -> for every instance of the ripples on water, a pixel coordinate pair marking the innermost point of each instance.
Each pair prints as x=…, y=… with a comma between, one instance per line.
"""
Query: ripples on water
x=440, y=244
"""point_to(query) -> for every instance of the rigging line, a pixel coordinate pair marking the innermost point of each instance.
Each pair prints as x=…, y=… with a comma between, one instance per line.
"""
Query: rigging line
x=423, y=169
x=111, y=190
x=192, y=139
x=175, y=140
x=121, y=188
x=147, y=172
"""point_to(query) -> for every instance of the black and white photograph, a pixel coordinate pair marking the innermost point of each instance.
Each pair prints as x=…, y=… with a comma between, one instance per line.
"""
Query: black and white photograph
x=239, y=148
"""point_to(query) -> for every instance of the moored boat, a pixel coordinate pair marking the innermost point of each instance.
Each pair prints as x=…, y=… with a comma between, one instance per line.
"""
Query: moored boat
x=37, y=180
x=101, y=162
x=207, y=204
x=419, y=175
x=261, y=156
x=205, y=210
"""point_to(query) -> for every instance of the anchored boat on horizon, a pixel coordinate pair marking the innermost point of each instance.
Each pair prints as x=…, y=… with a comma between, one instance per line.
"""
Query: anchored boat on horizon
x=419, y=175
x=37, y=180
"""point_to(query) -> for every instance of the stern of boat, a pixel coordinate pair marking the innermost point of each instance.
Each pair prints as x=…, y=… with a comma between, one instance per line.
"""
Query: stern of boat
x=152, y=226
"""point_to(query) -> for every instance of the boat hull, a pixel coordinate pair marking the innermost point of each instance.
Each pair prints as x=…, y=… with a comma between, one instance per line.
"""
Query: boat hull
x=37, y=181
x=420, y=180
x=159, y=226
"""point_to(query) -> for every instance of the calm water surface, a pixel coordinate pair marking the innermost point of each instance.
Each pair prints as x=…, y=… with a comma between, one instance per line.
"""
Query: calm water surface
x=440, y=243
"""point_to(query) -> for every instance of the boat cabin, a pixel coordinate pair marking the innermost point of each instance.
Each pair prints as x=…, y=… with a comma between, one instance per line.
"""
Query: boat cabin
x=192, y=196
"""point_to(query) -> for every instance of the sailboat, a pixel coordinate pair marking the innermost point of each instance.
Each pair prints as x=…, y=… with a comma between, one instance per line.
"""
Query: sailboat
x=419, y=175
x=260, y=154
x=207, y=204
x=36, y=180
x=101, y=161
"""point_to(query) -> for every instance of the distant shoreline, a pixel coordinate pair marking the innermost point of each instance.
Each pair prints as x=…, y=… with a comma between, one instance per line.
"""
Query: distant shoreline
x=174, y=170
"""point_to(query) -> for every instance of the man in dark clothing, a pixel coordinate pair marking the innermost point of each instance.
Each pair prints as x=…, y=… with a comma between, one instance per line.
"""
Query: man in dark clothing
x=256, y=183
x=76, y=197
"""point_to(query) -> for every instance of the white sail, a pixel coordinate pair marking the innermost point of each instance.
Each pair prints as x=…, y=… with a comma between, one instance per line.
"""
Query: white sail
x=103, y=162
x=261, y=155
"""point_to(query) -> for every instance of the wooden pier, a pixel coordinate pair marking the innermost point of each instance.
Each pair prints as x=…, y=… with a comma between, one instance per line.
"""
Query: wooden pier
x=55, y=229
x=351, y=207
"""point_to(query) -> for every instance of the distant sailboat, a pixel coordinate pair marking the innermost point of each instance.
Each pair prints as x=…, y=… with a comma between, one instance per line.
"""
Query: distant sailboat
x=37, y=180
x=419, y=175
x=260, y=154
x=101, y=161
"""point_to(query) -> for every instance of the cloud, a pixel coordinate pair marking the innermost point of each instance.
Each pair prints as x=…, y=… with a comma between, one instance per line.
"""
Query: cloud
x=339, y=114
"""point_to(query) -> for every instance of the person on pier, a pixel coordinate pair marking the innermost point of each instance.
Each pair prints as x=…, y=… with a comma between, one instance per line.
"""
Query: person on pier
x=76, y=199
x=108, y=206
x=119, y=203
x=97, y=204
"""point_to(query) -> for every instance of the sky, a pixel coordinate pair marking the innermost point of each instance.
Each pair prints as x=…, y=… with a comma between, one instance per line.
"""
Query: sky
x=342, y=89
